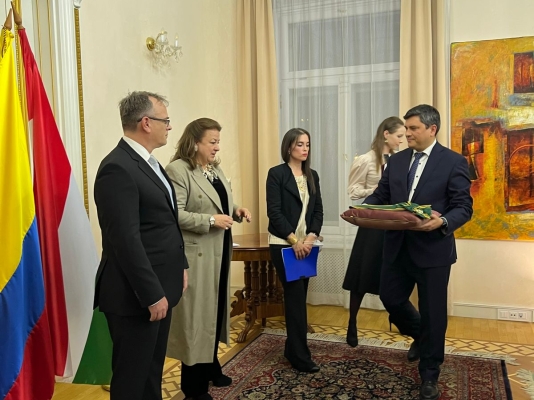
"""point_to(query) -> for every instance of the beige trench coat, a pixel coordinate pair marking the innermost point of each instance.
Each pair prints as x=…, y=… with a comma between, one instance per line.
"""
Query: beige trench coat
x=194, y=319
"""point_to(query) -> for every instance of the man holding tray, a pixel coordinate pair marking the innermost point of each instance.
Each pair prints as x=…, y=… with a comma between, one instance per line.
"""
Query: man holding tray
x=430, y=174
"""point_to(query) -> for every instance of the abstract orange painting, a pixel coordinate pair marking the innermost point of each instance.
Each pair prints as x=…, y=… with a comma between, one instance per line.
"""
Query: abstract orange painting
x=492, y=125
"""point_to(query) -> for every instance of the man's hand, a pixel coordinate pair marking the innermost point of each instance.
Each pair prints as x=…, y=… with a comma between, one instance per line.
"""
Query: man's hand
x=159, y=310
x=186, y=281
x=431, y=224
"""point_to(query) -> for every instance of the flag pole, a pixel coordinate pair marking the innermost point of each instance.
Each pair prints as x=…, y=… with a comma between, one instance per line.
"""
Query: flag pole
x=17, y=14
x=5, y=29
x=81, y=107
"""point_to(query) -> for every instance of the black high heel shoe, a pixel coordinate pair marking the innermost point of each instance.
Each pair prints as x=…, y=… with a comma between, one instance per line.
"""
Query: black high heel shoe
x=352, y=335
x=222, y=381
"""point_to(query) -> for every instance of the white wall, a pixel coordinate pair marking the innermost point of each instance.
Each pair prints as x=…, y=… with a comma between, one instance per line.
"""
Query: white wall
x=115, y=60
x=492, y=273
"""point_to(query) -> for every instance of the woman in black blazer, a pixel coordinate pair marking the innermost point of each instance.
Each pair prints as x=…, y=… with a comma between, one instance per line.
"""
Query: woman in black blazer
x=295, y=211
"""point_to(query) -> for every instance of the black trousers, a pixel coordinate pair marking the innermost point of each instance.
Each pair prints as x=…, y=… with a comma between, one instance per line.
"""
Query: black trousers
x=429, y=324
x=139, y=348
x=196, y=378
x=295, y=292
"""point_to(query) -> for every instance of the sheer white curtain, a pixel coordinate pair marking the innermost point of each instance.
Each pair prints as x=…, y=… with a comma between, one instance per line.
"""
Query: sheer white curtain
x=338, y=66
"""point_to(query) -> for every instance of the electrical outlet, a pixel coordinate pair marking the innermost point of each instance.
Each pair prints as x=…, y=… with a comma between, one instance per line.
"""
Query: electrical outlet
x=522, y=316
x=515, y=315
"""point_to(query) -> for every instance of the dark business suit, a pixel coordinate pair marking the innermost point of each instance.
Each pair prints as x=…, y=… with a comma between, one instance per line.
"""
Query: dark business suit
x=284, y=207
x=142, y=261
x=419, y=257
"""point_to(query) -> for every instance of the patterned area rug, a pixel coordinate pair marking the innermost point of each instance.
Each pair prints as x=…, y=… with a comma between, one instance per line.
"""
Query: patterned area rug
x=260, y=371
x=519, y=357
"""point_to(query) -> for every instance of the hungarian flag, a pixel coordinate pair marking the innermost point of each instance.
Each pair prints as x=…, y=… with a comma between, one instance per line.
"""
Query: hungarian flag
x=81, y=345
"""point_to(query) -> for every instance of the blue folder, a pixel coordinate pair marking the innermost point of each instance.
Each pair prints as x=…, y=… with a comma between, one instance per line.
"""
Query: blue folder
x=300, y=269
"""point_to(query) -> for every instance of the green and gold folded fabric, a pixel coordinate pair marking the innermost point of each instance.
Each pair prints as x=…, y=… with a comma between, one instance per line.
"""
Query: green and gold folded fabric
x=422, y=211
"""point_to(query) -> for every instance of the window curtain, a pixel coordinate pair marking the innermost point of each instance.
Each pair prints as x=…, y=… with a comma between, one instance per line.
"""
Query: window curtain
x=257, y=94
x=425, y=66
x=338, y=64
x=424, y=58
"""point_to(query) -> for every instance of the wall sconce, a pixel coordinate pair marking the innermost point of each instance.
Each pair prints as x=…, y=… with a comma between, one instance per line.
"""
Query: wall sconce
x=162, y=50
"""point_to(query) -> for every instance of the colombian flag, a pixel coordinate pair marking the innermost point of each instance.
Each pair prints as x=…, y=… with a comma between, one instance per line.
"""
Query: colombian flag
x=26, y=369
x=48, y=329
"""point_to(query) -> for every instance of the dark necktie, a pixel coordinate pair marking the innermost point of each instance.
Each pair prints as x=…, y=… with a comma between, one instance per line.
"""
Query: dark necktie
x=413, y=168
x=386, y=159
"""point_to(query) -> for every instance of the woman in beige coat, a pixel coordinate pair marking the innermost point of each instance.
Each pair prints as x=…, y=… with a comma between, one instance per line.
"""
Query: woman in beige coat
x=206, y=212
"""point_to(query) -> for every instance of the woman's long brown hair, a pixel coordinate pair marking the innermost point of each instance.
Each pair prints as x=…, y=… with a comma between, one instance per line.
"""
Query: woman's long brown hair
x=193, y=133
x=288, y=143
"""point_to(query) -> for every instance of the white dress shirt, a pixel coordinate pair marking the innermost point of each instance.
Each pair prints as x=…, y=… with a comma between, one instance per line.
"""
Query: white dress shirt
x=145, y=155
x=419, y=171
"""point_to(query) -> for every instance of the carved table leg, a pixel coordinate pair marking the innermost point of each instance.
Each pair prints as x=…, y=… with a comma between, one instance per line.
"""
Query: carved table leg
x=246, y=289
x=252, y=299
x=271, y=280
x=239, y=305
x=250, y=318
x=263, y=282
x=255, y=287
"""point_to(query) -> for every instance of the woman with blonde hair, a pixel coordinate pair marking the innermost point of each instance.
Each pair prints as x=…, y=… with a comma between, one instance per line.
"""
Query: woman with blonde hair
x=365, y=262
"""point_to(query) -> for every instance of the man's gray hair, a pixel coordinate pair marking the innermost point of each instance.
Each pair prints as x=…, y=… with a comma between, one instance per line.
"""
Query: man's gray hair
x=137, y=105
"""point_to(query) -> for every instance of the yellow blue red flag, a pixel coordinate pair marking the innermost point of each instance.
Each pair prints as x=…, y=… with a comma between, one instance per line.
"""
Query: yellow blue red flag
x=26, y=371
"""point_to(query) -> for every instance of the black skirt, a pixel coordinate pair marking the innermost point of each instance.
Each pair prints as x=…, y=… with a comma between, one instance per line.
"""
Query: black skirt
x=365, y=262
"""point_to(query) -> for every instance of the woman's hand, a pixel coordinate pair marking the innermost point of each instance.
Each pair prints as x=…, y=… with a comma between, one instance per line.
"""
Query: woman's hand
x=244, y=213
x=301, y=250
x=223, y=221
x=310, y=239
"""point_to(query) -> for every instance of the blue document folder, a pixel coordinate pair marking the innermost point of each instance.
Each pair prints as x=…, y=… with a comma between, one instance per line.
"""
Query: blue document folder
x=300, y=269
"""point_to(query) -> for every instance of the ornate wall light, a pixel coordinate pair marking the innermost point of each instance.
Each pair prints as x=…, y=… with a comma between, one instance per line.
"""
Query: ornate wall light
x=163, y=51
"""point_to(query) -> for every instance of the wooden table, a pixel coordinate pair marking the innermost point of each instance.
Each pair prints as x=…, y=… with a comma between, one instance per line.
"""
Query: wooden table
x=263, y=294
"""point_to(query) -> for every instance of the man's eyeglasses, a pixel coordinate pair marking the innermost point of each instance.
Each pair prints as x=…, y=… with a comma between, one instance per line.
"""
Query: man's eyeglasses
x=166, y=121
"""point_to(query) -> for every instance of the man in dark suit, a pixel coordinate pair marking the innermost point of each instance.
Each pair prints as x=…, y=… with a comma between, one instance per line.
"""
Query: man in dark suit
x=143, y=269
x=425, y=173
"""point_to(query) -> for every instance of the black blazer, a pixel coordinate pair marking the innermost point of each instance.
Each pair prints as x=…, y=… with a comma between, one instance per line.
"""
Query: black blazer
x=142, y=246
x=444, y=185
x=284, y=205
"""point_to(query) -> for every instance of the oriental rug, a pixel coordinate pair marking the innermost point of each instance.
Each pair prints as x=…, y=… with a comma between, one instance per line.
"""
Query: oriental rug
x=260, y=371
x=519, y=357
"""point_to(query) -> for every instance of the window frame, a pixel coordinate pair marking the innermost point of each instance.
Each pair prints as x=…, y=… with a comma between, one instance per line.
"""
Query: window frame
x=343, y=78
